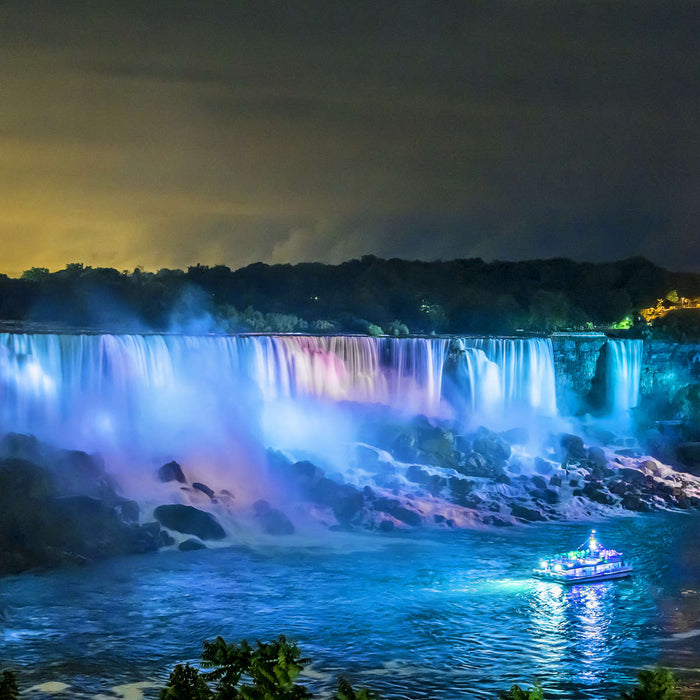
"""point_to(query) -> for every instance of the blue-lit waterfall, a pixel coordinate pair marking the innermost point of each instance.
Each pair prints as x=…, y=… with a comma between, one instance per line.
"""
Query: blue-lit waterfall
x=623, y=369
x=150, y=388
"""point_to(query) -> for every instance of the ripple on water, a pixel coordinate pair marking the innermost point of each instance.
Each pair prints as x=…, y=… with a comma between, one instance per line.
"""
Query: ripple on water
x=438, y=616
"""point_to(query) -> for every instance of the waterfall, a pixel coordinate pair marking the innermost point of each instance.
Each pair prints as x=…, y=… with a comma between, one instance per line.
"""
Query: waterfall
x=510, y=373
x=623, y=370
x=91, y=385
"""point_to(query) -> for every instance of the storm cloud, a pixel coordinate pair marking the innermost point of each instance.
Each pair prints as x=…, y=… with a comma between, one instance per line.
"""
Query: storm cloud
x=168, y=133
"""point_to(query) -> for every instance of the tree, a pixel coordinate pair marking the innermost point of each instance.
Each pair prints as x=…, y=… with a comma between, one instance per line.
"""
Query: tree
x=8, y=686
x=271, y=669
x=658, y=684
x=517, y=693
x=185, y=683
x=347, y=692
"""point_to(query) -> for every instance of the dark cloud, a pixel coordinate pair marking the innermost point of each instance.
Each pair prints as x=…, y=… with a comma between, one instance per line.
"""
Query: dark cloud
x=166, y=133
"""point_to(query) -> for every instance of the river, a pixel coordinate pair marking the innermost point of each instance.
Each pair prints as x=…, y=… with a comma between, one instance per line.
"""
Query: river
x=417, y=615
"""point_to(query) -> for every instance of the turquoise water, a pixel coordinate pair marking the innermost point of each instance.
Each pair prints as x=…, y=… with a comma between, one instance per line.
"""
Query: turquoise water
x=423, y=615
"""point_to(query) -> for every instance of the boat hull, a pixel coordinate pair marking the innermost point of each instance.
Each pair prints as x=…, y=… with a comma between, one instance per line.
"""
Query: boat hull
x=584, y=578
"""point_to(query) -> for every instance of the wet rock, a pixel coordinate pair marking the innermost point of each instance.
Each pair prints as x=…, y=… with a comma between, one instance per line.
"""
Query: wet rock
x=396, y=510
x=596, y=456
x=190, y=521
x=129, y=510
x=386, y=526
x=204, y=489
x=191, y=545
x=527, y=514
x=492, y=446
x=272, y=521
x=516, y=436
x=366, y=457
x=635, y=503
x=496, y=521
x=631, y=476
x=460, y=489
x=20, y=446
x=689, y=454
x=619, y=488
x=539, y=482
x=503, y=478
x=573, y=446
x=172, y=472
x=542, y=466
x=555, y=480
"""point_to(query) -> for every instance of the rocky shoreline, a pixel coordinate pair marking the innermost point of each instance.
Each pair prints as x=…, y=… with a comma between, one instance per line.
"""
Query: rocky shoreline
x=61, y=507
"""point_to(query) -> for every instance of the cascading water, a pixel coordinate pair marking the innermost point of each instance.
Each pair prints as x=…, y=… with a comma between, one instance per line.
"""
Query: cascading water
x=506, y=373
x=108, y=390
x=623, y=370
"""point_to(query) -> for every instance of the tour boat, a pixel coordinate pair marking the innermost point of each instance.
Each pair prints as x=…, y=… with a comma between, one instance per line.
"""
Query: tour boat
x=590, y=562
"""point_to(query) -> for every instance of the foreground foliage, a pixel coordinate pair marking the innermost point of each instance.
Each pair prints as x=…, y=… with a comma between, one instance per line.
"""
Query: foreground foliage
x=658, y=684
x=268, y=672
x=8, y=686
x=240, y=672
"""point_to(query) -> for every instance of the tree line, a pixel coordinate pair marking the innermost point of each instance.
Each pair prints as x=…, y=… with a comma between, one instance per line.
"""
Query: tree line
x=369, y=295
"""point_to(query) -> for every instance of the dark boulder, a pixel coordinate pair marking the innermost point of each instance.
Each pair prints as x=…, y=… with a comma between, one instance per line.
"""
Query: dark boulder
x=396, y=510
x=516, y=436
x=191, y=545
x=204, y=489
x=460, y=490
x=555, y=480
x=634, y=502
x=272, y=521
x=190, y=521
x=573, y=446
x=492, y=446
x=689, y=454
x=386, y=526
x=539, y=482
x=172, y=472
x=542, y=466
x=527, y=514
x=596, y=456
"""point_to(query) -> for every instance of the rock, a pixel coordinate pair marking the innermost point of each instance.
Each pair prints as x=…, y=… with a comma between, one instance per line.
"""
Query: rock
x=396, y=510
x=366, y=457
x=593, y=493
x=190, y=521
x=516, y=436
x=386, y=526
x=171, y=472
x=191, y=545
x=204, y=489
x=503, y=478
x=433, y=482
x=272, y=521
x=129, y=511
x=460, y=489
x=689, y=454
x=539, y=482
x=496, y=521
x=634, y=502
x=631, y=476
x=573, y=446
x=596, y=456
x=492, y=446
x=542, y=466
x=527, y=514
x=555, y=480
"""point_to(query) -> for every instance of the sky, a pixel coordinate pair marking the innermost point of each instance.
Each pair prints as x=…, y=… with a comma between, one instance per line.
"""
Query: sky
x=164, y=133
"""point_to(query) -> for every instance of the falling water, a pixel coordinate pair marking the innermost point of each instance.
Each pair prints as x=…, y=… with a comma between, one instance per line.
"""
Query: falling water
x=623, y=369
x=511, y=373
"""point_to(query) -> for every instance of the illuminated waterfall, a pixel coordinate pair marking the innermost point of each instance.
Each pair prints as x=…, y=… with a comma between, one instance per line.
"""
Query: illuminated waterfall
x=623, y=370
x=101, y=391
x=512, y=373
